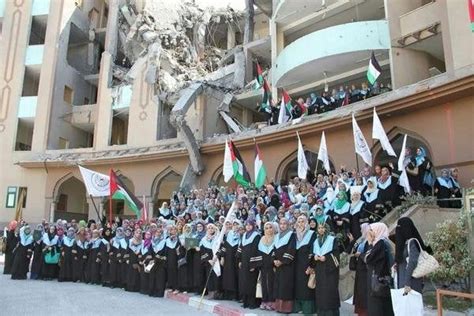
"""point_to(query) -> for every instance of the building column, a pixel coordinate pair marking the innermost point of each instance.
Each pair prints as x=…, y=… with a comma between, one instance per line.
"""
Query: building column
x=230, y=37
x=150, y=210
x=277, y=44
x=52, y=210
x=111, y=37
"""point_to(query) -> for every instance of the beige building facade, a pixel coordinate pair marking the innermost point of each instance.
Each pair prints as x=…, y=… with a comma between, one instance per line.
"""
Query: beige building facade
x=60, y=106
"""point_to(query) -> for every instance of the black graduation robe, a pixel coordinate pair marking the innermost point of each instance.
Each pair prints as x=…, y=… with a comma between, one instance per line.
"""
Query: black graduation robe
x=285, y=250
x=103, y=257
x=79, y=263
x=12, y=241
x=37, y=261
x=228, y=253
x=371, y=200
x=22, y=257
x=158, y=272
x=66, y=260
x=267, y=273
x=146, y=256
x=184, y=280
x=358, y=216
x=196, y=271
x=302, y=262
x=172, y=263
x=343, y=215
x=93, y=262
x=49, y=271
x=327, y=276
x=389, y=193
x=247, y=256
x=377, y=262
x=206, y=268
x=360, y=284
x=133, y=266
x=116, y=258
x=443, y=190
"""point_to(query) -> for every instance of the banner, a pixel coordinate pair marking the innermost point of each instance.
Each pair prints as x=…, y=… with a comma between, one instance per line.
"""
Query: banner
x=97, y=184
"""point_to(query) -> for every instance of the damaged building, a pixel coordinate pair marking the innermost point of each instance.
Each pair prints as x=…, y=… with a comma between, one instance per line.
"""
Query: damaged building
x=153, y=89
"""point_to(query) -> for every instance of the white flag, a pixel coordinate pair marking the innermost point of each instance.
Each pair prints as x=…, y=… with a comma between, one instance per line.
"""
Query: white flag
x=97, y=184
x=379, y=133
x=302, y=163
x=360, y=143
x=218, y=242
x=323, y=154
x=227, y=169
x=403, y=181
x=401, y=158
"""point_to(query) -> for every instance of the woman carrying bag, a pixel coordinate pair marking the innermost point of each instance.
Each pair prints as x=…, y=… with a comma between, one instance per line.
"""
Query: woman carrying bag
x=377, y=259
x=408, y=243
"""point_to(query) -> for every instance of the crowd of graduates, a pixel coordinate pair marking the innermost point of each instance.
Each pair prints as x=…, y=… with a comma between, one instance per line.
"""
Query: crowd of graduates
x=281, y=248
x=326, y=101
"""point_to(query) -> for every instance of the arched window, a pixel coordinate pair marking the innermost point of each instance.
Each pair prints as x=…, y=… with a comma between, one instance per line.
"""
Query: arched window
x=288, y=168
x=164, y=185
x=71, y=200
x=413, y=142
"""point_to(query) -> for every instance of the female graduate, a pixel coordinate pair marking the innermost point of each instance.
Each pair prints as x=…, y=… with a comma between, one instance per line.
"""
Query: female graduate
x=146, y=258
x=79, y=255
x=341, y=219
x=50, y=240
x=443, y=188
x=103, y=256
x=207, y=259
x=229, y=262
x=378, y=266
x=93, y=259
x=247, y=255
x=65, y=269
x=158, y=272
x=12, y=241
x=184, y=260
x=265, y=264
x=172, y=245
x=325, y=262
x=358, y=214
x=370, y=195
x=196, y=258
x=283, y=260
x=116, y=253
x=132, y=261
x=23, y=252
x=37, y=261
x=360, y=282
x=388, y=190
x=304, y=296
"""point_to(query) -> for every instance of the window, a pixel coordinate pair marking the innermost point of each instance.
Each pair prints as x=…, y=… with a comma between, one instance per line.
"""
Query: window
x=63, y=143
x=62, y=203
x=68, y=95
x=86, y=101
x=11, y=197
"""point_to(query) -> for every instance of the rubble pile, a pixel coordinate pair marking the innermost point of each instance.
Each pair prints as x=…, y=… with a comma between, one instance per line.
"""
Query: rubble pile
x=175, y=37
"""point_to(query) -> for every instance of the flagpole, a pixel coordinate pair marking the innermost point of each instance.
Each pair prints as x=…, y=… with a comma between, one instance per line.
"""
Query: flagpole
x=95, y=207
x=357, y=162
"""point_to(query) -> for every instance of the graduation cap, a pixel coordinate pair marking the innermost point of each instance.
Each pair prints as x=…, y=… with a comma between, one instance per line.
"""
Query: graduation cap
x=356, y=189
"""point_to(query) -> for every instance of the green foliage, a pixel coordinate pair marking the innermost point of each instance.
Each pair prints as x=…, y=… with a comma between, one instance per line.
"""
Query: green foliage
x=450, y=248
x=412, y=199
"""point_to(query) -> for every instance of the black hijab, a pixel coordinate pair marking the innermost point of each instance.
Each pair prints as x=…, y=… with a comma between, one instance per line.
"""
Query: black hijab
x=406, y=230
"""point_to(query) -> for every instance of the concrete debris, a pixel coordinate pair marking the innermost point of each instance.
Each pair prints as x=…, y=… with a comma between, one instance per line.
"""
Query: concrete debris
x=182, y=42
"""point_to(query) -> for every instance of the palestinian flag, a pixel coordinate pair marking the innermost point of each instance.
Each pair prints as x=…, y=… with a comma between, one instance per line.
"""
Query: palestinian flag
x=266, y=98
x=259, y=75
x=374, y=69
x=470, y=4
x=119, y=191
x=259, y=168
x=241, y=175
x=285, y=108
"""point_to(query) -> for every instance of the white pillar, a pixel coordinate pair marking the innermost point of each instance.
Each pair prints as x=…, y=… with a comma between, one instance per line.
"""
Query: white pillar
x=52, y=209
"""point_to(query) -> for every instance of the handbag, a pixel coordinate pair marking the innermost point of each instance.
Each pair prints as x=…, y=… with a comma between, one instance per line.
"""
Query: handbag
x=149, y=266
x=380, y=286
x=49, y=258
x=426, y=262
x=258, y=289
x=312, y=281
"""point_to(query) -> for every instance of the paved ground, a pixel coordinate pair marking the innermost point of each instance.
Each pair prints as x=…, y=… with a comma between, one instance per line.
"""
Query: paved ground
x=54, y=298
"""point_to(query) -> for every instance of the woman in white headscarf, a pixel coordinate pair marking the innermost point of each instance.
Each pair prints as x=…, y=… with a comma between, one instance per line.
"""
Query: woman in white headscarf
x=378, y=263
